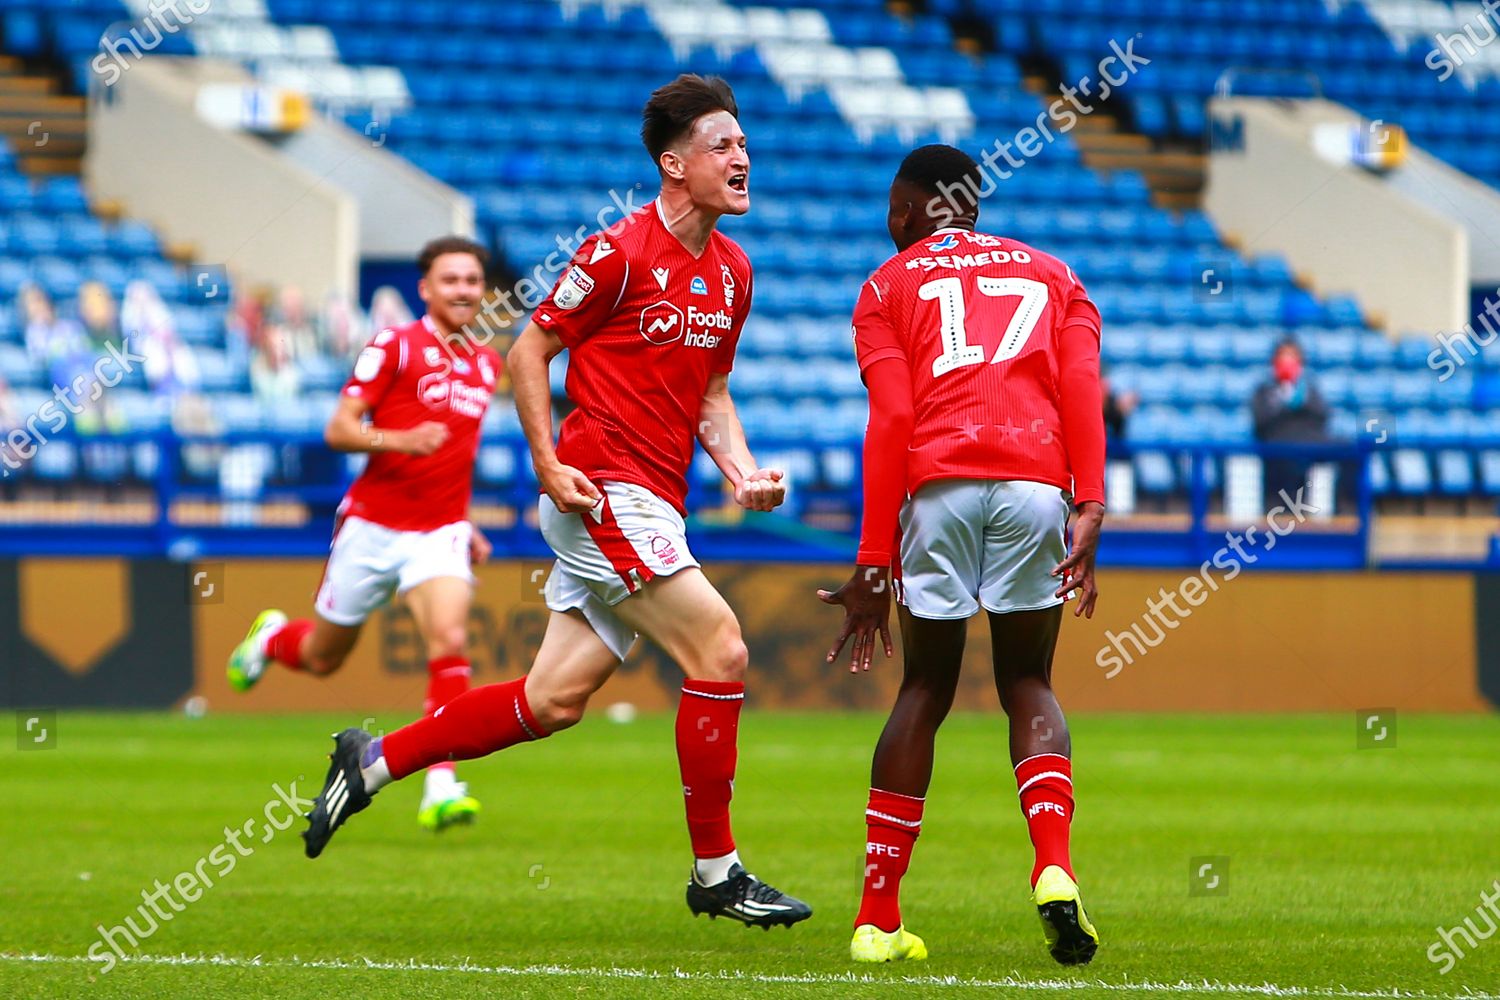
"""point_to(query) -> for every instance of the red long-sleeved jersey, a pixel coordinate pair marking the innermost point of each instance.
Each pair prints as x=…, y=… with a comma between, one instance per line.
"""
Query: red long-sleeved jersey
x=997, y=344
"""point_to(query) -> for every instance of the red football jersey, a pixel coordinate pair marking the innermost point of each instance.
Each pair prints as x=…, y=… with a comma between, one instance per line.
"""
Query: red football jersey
x=977, y=320
x=645, y=323
x=410, y=375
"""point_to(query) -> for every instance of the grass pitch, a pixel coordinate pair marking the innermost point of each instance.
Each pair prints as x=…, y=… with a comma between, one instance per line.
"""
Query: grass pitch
x=1341, y=863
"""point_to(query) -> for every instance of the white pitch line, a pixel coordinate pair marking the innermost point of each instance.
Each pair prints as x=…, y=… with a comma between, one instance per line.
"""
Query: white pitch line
x=808, y=978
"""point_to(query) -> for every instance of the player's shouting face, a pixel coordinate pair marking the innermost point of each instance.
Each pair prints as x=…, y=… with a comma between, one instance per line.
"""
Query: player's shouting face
x=452, y=289
x=713, y=163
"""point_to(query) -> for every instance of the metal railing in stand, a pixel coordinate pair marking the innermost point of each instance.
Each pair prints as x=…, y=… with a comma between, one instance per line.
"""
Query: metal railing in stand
x=238, y=495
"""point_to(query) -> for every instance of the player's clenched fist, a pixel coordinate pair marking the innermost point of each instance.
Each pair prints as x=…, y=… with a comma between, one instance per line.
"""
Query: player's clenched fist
x=425, y=438
x=763, y=489
x=569, y=489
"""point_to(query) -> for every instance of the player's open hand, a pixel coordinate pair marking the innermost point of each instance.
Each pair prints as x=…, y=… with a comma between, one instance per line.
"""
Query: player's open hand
x=479, y=546
x=1077, y=571
x=866, y=600
x=569, y=489
x=425, y=438
x=763, y=489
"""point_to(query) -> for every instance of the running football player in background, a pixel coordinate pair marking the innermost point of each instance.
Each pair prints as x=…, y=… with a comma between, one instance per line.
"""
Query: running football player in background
x=414, y=403
x=651, y=316
x=981, y=358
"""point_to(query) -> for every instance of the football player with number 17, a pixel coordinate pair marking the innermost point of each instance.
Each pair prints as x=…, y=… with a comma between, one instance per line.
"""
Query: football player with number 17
x=981, y=357
x=650, y=312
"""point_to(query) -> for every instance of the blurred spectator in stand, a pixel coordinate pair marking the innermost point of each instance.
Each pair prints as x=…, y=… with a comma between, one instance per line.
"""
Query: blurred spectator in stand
x=68, y=353
x=51, y=341
x=245, y=324
x=341, y=327
x=171, y=368
x=100, y=317
x=273, y=376
x=1117, y=410
x=388, y=309
x=1288, y=409
x=296, y=323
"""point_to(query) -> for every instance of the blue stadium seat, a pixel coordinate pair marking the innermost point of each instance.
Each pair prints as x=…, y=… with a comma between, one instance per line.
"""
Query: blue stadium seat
x=1489, y=472
x=1411, y=472
x=1375, y=350
x=1154, y=473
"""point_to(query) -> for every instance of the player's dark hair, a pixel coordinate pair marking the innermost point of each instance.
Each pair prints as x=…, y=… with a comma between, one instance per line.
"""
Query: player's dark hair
x=1288, y=341
x=451, y=244
x=671, y=111
x=945, y=172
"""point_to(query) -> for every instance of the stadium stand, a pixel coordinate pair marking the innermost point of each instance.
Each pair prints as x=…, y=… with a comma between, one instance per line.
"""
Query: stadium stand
x=792, y=67
x=531, y=108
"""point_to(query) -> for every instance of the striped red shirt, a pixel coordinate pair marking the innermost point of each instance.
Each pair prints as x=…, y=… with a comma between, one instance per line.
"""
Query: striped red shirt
x=979, y=323
x=645, y=323
x=410, y=375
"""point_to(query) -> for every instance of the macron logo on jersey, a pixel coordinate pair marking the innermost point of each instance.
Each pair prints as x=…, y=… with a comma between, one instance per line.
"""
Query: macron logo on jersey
x=946, y=243
x=601, y=250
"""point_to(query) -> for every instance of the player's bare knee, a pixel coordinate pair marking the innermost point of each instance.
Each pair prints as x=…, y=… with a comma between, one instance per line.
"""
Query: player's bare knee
x=560, y=709
x=1012, y=688
x=726, y=658
x=445, y=642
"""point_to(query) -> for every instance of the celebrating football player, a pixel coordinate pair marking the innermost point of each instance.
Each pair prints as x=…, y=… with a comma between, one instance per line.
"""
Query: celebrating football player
x=414, y=404
x=981, y=357
x=651, y=316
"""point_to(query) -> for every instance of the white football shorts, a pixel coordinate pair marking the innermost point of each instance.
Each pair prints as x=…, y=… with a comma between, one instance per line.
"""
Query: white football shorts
x=972, y=543
x=369, y=563
x=603, y=556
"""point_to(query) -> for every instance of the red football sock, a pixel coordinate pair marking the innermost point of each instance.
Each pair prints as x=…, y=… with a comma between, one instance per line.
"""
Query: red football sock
x=708, y=724
x=892, y=823
x=476, y=723
x=447, y=678
x=285, y=644
x=1046, y=787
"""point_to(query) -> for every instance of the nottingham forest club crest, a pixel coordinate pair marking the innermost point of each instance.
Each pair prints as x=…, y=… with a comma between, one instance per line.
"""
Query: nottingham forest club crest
x=728, y=287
